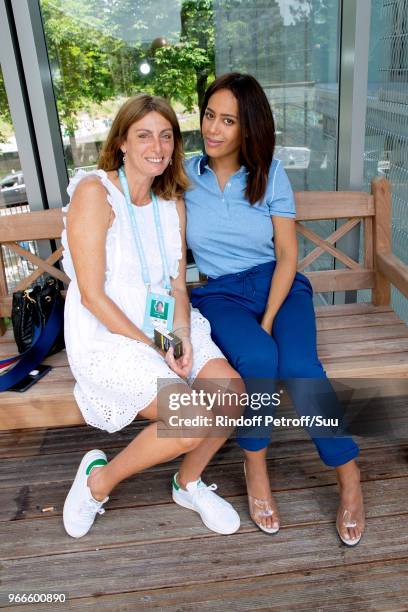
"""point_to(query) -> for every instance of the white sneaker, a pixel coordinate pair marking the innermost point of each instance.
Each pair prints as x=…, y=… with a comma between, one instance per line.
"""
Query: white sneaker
x=216, y=513
x=80, y=508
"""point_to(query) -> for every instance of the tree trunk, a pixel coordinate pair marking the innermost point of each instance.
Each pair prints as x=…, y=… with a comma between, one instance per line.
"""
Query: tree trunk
x=75, y=152
x=201, y=85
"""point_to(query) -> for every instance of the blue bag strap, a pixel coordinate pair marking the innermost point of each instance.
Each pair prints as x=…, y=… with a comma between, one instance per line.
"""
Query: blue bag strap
x=12, y=359
x=31, y=358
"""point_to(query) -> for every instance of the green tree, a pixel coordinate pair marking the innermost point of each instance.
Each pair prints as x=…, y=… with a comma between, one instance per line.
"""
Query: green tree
x=80, y=56
x=182, y=69
x=5, y=118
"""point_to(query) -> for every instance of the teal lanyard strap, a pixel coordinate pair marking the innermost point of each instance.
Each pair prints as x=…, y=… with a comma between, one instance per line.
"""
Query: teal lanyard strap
x=160, y=238
x=136, y=234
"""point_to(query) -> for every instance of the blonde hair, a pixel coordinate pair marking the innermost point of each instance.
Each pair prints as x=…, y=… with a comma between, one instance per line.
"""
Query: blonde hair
x=173, y=182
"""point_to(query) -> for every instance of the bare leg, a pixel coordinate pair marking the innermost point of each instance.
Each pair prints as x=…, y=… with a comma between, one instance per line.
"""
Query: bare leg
x=351, y=508
x=146, y=450
x=197, y=459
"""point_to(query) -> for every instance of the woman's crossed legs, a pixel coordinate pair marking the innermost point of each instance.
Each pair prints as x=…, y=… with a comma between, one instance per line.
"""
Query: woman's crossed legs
x=151, y=447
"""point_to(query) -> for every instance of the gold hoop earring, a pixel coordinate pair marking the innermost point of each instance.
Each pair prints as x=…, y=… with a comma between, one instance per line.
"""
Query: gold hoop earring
x=124, y=158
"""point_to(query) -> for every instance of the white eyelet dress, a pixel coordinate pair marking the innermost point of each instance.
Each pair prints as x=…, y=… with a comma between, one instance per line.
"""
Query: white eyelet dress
x=116, y=376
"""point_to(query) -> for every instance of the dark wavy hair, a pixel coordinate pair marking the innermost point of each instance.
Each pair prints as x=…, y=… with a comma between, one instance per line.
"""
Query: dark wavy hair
x=173, y=182
x=257, y=128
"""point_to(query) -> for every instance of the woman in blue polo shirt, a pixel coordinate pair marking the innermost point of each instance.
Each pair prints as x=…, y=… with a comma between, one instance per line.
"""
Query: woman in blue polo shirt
x=241, y=229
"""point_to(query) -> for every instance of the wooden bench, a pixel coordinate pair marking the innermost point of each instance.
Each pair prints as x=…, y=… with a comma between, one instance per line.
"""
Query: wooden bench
x=363, y=340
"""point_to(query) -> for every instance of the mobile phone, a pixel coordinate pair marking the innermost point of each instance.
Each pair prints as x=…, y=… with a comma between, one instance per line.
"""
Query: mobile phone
x=31, y=378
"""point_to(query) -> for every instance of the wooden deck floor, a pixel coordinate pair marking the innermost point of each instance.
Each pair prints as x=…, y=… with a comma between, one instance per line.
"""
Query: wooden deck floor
x=148, y=553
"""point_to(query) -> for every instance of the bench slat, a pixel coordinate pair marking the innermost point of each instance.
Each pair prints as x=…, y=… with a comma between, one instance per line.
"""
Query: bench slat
x=366, y=347
x=358, y=320
x=315, y=205
x=387, y=365
x=341, y=280
x=38, y=225
x=361, y=334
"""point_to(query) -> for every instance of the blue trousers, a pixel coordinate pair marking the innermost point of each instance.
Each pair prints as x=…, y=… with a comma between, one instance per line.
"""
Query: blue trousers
x=234, y=305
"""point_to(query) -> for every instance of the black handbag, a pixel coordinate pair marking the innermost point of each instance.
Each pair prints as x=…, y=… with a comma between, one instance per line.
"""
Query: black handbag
x=31, y=309
x=38, y=324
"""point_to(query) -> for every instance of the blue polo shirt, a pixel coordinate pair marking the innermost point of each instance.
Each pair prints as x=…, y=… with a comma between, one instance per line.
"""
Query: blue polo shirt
x=225, y=233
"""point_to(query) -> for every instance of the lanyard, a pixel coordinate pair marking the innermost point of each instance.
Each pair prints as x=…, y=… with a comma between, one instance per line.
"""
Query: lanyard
x=136, y=234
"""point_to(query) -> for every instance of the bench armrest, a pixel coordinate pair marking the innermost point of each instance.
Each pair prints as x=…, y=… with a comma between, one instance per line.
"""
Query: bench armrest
x=395, y=270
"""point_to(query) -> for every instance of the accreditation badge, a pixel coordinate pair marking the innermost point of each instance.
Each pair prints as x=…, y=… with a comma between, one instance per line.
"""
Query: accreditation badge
x=159, y=312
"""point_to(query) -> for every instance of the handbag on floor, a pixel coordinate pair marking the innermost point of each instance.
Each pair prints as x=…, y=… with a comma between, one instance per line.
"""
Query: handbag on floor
x=38, y=324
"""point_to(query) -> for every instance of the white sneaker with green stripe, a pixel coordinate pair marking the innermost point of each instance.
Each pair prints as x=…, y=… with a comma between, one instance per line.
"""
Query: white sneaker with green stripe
x=216, y=513
x=80, y=508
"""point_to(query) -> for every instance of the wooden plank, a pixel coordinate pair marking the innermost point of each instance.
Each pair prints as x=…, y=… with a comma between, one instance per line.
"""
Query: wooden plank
x=382, y=237
x=3, y=289
x=38, y=225
x=387, y=412
x=33, y=537
x=310, y=205
x=36, y=484
x=332, y=239
x=185, y=563
x=50, y=402
x=357, y=320
x=37, y=261
x=388, y=318
x=5, y=306
x=340, y=280
x=326, y=246
x=58, y=410
x=28, y=442
x=327, y=317
x=368, y=348
x=28, y=280
x=21, y=502
x=394, y=270
x=368, y=243
x=7, y=337
x=350, y=309
x=3, y=280
x=314, y=205
x=341, y=322
x=367, y=586
x=368, y=402
x=375, y=366
x=361, y=334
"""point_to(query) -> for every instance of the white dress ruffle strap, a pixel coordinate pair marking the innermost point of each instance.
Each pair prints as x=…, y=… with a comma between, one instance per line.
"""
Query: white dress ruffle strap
x=116, y=376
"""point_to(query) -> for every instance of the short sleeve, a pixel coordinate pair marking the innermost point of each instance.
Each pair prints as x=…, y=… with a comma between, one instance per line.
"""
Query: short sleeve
x=280, y=198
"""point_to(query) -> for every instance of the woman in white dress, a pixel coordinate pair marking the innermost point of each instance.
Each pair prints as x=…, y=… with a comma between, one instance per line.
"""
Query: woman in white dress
x=124, y=237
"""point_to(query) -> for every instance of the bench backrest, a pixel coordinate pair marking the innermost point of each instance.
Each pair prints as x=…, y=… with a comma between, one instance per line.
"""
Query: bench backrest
x=372, y=211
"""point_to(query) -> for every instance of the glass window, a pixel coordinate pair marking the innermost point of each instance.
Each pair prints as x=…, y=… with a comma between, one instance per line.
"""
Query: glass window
x=13, y=198
x=386, y=138
x=291, y=47
x=12, y=187
x=103, y=52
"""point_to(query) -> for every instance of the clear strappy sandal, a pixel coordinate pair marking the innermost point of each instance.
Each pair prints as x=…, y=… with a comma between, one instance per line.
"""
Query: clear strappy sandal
x=261, y=508
x=346, y=519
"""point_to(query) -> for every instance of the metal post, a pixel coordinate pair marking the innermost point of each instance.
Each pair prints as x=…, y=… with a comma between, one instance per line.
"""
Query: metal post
x=355, y=38
x=19, y=109
x=30, y=32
